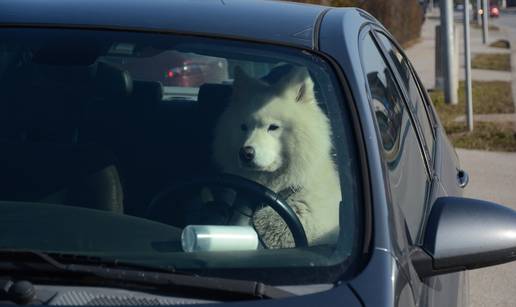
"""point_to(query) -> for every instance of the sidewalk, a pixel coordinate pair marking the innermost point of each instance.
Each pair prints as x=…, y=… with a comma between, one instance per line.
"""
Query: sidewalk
x=422, y=55
x=493, y=177
x=492, y=174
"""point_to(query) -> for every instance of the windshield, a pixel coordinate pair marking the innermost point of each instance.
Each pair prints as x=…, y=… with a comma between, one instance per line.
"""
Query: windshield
x=222, y=157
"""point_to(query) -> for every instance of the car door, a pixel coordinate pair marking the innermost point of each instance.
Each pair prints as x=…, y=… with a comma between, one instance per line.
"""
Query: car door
x=446, y=289
x=406, y=173
x=407, y=136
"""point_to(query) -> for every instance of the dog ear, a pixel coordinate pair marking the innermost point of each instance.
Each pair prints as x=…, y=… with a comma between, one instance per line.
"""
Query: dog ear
x=298, y=85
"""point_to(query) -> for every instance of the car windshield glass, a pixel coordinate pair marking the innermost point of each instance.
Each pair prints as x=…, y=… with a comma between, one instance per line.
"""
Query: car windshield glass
x=222, y=157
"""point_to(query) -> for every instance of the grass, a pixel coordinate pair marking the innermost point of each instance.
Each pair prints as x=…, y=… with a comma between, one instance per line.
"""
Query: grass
x=488, y=97
x=497, y=61
x=501, y=43
x=485, y=136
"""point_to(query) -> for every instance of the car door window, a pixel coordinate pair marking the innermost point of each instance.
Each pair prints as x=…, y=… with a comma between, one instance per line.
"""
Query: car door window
x=414, y=95
x=407, y=172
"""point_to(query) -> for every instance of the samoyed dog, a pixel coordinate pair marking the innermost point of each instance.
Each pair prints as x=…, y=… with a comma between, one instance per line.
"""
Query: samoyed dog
x=277, y=135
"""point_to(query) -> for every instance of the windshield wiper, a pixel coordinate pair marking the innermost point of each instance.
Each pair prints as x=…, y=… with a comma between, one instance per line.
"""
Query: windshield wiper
x=127, y=272
x=66, y=258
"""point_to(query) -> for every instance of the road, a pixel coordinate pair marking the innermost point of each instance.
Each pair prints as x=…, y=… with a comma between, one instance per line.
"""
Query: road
x=508, y=19
x=493, y=177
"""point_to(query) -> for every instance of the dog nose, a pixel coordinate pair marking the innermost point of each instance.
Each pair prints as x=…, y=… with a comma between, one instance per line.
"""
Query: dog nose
x=247, y=153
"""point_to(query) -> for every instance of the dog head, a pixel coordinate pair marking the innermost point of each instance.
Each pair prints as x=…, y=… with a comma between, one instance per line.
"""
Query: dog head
x=260, y=121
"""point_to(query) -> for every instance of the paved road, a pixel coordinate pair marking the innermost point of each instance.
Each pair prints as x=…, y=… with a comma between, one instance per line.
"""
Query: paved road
x=508, y=18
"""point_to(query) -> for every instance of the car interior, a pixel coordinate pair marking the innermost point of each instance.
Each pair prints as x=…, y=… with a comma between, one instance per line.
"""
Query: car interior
x=86, y=141
x=91, y=136
x=77, y=129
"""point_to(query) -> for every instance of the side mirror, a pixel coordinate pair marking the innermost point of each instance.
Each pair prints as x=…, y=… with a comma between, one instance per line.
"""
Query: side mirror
x=463, y=234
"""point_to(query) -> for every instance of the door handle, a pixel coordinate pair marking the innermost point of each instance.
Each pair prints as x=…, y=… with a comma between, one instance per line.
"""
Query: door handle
x=462, y=178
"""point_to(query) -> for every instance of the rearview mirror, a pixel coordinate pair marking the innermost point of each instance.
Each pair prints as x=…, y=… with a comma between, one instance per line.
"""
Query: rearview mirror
x=463, y=234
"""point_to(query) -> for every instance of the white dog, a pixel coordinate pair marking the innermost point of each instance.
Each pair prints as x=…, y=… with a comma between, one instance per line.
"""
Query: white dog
x=277, y=135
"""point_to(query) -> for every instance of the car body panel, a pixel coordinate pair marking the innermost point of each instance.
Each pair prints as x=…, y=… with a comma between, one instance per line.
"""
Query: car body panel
x=444, y=153
x=274, y=21
x=436, y=291
x=340, y=39
x=448, y=165
x=338, y=296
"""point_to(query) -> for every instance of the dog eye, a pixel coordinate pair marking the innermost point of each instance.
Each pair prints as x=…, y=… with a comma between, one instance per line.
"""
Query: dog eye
x=243, y=127
x=273, y=127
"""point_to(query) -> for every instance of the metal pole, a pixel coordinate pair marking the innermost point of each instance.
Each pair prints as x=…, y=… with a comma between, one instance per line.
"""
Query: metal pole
x=450, y=96
x=477, y=13
x=467, y=67
x=485, y=28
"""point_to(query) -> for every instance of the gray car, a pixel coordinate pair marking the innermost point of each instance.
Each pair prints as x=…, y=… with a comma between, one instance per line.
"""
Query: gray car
x=110, y=193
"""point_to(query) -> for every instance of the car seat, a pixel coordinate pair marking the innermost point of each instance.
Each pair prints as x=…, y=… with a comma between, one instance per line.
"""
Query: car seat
x=42, y=159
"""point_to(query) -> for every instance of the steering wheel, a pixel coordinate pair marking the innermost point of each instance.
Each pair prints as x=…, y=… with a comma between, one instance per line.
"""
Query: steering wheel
x=227, y=207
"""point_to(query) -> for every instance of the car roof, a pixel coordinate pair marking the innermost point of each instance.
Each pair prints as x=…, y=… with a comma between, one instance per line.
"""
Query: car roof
x=264, y=20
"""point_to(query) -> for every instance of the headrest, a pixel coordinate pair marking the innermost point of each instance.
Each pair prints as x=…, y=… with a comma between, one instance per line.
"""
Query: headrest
x=112, y=81
x=214, y=94
x=219, y=93
x=148, y=93
x=40, y=95
x=64, y=79
x=277, y=73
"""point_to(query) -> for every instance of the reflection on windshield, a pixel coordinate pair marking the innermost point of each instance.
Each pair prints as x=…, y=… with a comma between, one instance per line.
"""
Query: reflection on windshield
x=115, y=142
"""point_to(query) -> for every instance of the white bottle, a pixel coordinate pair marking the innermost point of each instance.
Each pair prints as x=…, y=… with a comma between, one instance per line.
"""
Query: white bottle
x=209, y=238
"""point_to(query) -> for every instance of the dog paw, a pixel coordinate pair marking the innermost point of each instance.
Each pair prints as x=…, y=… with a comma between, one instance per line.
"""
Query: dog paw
x=272, y=229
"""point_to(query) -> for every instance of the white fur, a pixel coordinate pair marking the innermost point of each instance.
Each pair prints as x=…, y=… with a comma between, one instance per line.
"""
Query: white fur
x=296, y=154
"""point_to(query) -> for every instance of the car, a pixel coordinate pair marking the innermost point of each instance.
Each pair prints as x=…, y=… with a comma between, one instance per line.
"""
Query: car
x=494, y=11
x=172, y=68
x=119, y=186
